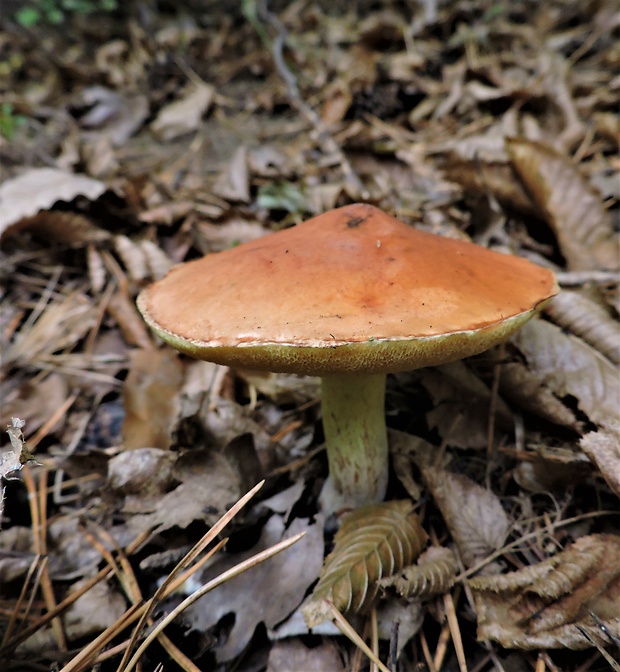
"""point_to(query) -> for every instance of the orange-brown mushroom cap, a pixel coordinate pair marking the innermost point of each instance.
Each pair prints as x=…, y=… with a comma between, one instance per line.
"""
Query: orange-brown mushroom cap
x=351, y=291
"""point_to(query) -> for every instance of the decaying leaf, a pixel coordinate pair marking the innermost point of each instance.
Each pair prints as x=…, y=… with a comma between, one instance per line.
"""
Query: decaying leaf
x=569, y=600
x=63, y=322
x=12, y=461
x=184, y=115
x=293, y=654
x=374, y=541
x=479, y=177
x=94, y=611
x=266, y=593
x=38, y=189
x=525, y=389
x=603, y=448
x=588, y=319
x=461, y=405
x=145, y=472
x=569, y=366
x=208, y=484
x=233, y=183
x=433, y=574
x=151, y=398
x=474, y=515
x=569, y=204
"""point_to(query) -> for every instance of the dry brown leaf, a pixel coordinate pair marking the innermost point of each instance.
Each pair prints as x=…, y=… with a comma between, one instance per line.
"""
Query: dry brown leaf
x=151, y=401
x=474, y=515
x=569, y=366
x=68, y=228
x=483, y=178
x=587, y=319
x=603, y=448
x=293, y=654
x=233, y=183
x=572, y=208
x=111, y=115
x=569, y=600
x=38, y=189
x=133, y=256
x=94, y=611
x=433, y=574
x=144, y=471
x=35, y=401
x=461, y=405
x=374, y=541
x=208, y=485
x=62, y=323
x=127, y=318
x=184, y=115
x=267, y=593
x=231, y=232
x=525, y=389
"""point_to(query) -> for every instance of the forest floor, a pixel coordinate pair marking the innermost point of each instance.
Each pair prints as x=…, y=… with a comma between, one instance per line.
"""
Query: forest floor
x=134, y=139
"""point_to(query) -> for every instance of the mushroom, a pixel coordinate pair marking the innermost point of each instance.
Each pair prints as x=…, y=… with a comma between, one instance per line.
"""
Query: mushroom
x=350, y=296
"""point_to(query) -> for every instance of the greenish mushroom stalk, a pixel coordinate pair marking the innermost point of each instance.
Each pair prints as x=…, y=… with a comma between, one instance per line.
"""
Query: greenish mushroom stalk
x=356, y=440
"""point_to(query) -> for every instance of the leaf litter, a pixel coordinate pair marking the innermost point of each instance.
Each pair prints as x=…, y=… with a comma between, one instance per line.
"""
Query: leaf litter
x=175, y=134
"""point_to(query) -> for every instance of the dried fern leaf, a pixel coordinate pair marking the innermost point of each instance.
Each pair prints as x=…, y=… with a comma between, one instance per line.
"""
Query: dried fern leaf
x=374, y=541
x=570, y=600
x=433, y=574
x=603, y=448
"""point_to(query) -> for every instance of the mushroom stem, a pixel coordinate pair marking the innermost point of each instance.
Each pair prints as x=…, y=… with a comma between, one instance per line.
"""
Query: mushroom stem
x=356, y=438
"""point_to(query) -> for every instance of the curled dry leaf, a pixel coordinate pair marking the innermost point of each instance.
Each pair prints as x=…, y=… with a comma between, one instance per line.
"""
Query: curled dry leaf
x=588, y=319
x=433, y=574
x=67, y=228
x=38, y=189
x=570, y=600
x=481, y=177
x=474, y=515
x=524, y=388
x=572, y=208
x=569, y=366
x=374, y=541
x=603, y=448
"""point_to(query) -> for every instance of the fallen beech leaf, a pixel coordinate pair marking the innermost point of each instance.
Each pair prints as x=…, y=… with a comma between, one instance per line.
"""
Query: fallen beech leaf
x=569, y=600
x=588, y=319
x=603, y=448
x=474, y=515
x=433, y=574
x=184, y=115
x=374, y=541
x=38, y=189
x=569, y=366
x=481, y=177
x=572, y=208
